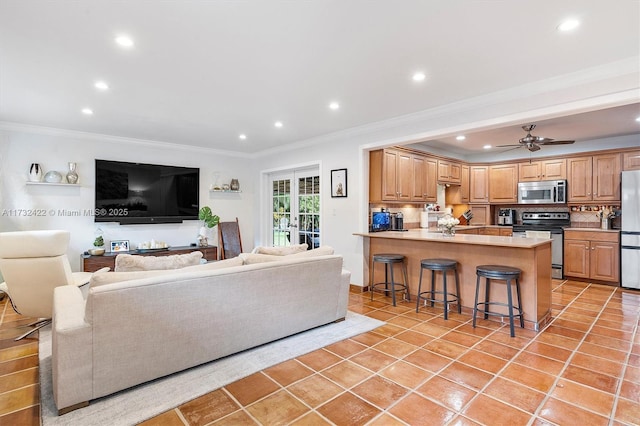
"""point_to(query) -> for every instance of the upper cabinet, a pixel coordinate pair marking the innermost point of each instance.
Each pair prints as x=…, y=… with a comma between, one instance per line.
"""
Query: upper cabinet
x=631, y=160
x=542, y=170
x=464, y=184
x=594, y=178
x=478, y=184
x=449, y=172
x=397, y=175
x=503, y=183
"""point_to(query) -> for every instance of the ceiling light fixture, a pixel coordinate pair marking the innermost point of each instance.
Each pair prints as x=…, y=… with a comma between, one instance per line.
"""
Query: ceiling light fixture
x=243, y=136
x=124, y=41
x=419, y=76
x=334, y=106
x=487, y=147
x=101, y=85
x=278, y=124
x=87, y=111
x=461, y=137
x=638, y=119
x=568, y=25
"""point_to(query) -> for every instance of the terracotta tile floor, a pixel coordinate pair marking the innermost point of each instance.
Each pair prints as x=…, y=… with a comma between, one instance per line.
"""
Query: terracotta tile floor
x=584, y=368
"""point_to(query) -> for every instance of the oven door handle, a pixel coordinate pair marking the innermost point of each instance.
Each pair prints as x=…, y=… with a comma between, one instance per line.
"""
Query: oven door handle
x=555, y=195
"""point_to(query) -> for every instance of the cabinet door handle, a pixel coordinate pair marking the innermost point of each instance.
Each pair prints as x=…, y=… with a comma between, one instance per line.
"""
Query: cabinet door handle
x=593, y=248
x=586, y=248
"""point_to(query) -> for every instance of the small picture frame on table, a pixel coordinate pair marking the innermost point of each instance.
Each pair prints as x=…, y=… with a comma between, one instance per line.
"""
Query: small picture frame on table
x=119, y=245
x=338, y=183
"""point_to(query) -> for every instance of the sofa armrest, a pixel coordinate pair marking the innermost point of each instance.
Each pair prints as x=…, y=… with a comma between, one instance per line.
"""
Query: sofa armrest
x=71, y=350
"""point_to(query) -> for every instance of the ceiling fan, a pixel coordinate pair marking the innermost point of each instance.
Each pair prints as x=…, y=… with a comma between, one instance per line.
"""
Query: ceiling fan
x=532, y=143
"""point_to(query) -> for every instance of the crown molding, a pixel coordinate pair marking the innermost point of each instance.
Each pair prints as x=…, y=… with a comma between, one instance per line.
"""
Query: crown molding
x=52, y=131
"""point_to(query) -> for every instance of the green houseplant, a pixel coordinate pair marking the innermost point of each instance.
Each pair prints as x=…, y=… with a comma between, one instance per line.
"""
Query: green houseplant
x=209, y=220
x=98, y=246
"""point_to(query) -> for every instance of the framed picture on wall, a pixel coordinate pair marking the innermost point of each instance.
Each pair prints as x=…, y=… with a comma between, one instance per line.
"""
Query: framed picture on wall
x=119, y=245
x=339, y=183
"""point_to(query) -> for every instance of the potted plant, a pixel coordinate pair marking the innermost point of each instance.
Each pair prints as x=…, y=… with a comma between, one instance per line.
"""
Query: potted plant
x=209, y=220
x=98, y=246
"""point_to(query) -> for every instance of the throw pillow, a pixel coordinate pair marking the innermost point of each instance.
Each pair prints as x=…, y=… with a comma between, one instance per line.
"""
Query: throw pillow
x=221, y=264
x=320, y=251
x=281, y=251
x=131, y=262
x=251, y=258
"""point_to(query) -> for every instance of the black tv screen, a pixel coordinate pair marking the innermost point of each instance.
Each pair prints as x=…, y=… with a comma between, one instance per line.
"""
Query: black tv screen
x=136, y=193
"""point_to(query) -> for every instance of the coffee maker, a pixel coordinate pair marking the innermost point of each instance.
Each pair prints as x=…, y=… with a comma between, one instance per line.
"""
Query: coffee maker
x=397, y=221
x=506, y=217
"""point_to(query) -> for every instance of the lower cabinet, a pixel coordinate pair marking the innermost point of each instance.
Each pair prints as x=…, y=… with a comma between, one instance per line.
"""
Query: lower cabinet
x=592, y=255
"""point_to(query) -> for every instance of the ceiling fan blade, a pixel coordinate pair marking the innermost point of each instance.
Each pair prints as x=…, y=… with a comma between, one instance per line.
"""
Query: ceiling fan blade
x=541, y=140
x=507, y=150
x=515, y=144
x=554, y=142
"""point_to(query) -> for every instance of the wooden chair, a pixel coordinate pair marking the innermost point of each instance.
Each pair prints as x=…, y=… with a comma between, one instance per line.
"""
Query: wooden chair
x=229, y=239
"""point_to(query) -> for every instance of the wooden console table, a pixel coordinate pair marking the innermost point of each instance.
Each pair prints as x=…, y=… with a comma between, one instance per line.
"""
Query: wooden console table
x=93, y=263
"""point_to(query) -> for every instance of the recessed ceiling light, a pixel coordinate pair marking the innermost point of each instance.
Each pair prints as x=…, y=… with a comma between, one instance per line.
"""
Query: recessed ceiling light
x=461, y=138
x=334, y=106
x=568, y=25
x=124, y=41
x=101, y=85
x=419, y=76
x=638, y=119
x=242, y=136
x=487, y=147
x=278, y=124
x=87, y=111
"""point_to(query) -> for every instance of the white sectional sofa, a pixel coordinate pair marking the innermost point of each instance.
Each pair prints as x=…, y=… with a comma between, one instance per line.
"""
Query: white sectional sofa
x=137, y=326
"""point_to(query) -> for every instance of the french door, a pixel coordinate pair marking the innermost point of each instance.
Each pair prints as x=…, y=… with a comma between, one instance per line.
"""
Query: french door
x=295, y=208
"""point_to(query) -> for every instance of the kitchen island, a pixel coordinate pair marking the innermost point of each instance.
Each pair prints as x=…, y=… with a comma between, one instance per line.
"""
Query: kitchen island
x=531, y=255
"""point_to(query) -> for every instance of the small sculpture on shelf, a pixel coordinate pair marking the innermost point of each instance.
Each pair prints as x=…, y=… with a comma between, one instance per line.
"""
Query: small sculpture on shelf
x=72, y=175
x=208, y=220
x=235, y=185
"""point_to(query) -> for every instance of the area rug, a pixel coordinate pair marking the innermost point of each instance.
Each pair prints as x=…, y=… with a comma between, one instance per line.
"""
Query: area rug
x=142, y=402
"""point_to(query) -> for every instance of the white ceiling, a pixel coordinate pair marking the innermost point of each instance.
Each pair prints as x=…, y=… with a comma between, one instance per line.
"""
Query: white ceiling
x=203, y=72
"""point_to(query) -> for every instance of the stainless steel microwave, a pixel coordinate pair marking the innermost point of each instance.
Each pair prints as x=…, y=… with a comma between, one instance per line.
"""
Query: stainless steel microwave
x=542, y=192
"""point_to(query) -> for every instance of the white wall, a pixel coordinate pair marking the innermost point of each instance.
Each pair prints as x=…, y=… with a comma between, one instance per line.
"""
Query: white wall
x=53, y=150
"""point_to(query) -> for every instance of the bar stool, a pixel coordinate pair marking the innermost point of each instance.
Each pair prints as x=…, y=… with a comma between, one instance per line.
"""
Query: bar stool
x=443, y=265
x=498, y=272
x=389, y=260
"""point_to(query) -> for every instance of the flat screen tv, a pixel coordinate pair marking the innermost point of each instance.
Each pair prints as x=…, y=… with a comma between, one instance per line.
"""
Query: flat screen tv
x=136, y=193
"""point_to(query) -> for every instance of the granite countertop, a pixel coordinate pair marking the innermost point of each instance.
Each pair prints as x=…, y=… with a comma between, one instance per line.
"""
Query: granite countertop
x=486, y=240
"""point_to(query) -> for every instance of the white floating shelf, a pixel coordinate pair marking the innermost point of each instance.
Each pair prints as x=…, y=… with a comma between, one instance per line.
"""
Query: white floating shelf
x=53, y=183
x=236, y=191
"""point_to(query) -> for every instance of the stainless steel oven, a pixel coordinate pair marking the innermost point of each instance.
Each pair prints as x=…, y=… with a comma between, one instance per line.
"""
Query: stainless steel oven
x=553, y=223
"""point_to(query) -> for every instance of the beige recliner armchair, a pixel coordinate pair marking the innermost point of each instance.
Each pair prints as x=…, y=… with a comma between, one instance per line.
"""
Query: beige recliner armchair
x=33, y=263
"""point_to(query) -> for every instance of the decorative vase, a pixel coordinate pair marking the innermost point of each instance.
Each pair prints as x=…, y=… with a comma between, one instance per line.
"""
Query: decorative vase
x=72, y=176
x=235, y=185
x=35, y=172
x=448, y=232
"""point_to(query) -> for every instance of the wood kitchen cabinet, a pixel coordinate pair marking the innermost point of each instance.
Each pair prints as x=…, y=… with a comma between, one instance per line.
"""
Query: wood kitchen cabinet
x=542, y=170
x=631, y=160
x=482, y=214
x=478, y=184
x=464, y=184
x=503, y=183
x=592, y=255
x=431, y=184
x=424, y=183
x=449, y=172
x=390, y=175
x=595, y=178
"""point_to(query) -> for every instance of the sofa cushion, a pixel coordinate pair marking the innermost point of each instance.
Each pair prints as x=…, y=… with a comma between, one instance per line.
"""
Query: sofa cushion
x=100, y=278
x=281, y=251
x=130, y=262
x=252, y=258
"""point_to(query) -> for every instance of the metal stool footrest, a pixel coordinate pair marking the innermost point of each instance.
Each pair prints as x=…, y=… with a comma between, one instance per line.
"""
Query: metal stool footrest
x=443, y=265
x=390, y=286
x=506, y=274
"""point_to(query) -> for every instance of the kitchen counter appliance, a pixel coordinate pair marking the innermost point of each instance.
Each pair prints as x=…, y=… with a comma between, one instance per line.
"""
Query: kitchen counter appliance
x=553, y=222
x=506, y=217
x=543, y=192
x=630, y=232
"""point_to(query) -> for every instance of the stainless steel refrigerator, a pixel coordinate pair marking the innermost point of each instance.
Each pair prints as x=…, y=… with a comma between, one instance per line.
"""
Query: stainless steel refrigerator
x=630, y=232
